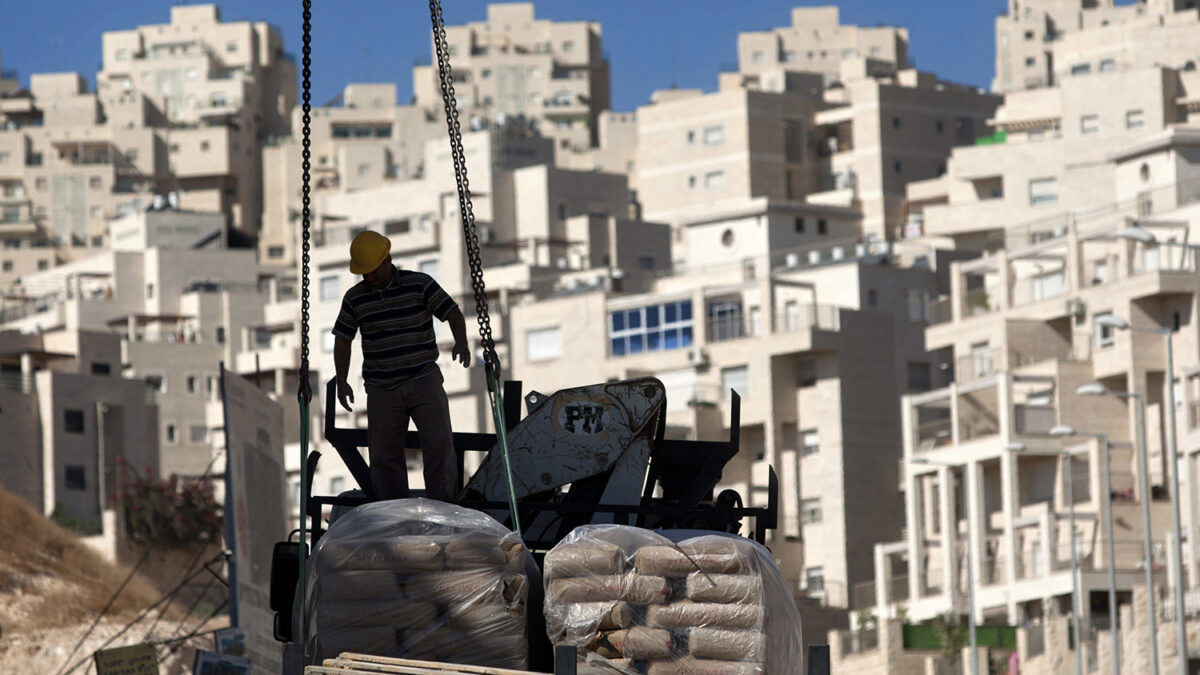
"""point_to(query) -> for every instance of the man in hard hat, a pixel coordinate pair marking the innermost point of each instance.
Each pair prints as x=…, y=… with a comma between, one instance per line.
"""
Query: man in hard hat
x=394, y=310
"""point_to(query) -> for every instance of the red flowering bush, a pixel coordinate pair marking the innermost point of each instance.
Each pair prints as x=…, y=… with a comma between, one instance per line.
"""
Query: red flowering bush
x=170, y=512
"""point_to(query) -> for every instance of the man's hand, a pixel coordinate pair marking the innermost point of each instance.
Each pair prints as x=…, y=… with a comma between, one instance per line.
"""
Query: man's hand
x=461, y=353
x=344, y=392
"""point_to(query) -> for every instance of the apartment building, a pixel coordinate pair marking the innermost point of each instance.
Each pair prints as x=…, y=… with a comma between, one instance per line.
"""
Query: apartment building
x=179, y=113
x=1049, y=161
x=367, y=141
x=222, y=88
x=817, y=42
x=1039, y=43
x=515, y=65
x=68, y=419
x=177, y=311
x=855, y=145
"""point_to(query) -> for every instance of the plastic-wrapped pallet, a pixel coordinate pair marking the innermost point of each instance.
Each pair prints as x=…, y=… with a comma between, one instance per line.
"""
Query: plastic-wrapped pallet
x=679, y=602
x=421, y=579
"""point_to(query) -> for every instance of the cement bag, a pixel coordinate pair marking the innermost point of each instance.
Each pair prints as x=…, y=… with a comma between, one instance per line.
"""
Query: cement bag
x=417, y=578
x=672, y=602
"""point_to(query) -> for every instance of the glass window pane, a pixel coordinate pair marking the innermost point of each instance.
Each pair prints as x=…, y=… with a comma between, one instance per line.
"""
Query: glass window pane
x=671, y=338
x=686, y=337
x=618, y=321
x=685, y=310
x=653, y=341
x=652, y=317
x=636, y=344
x=670, y=312
x=618, y=347
x=635, y=318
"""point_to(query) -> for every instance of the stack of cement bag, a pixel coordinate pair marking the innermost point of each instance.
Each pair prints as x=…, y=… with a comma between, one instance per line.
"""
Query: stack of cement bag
x=421, y=579
x=670, y=603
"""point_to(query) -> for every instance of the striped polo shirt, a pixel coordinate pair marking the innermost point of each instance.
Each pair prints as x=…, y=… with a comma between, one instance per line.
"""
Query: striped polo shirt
x=397, y=326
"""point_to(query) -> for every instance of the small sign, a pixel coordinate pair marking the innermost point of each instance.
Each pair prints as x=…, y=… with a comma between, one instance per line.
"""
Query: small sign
x=231, y=641
x=212, y=663
x=132, y=660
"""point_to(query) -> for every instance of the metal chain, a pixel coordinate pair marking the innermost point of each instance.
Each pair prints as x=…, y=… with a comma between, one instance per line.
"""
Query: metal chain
x=305, y=391
x=470, y=233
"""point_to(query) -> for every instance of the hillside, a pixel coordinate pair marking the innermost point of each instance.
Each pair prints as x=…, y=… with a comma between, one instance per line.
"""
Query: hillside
x=52, y=586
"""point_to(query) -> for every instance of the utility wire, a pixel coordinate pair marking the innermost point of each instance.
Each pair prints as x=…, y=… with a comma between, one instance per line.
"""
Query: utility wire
x=104, y=610
x=187, y=570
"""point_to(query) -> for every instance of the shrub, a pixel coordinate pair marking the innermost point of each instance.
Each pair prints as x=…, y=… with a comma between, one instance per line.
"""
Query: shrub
x=171, y=512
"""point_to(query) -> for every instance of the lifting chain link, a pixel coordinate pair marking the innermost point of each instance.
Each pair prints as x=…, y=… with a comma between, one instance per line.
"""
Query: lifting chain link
x=470, y=234
x=305, y=391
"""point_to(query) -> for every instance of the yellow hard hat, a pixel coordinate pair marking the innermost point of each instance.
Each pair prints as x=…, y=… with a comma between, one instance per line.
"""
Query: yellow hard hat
x=368, y=251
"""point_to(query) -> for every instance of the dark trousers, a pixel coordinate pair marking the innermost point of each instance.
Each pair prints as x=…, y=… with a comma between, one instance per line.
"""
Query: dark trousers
x=422, y=400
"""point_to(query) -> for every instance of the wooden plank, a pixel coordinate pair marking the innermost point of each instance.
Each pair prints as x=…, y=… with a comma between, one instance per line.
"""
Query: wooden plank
x=348, y=663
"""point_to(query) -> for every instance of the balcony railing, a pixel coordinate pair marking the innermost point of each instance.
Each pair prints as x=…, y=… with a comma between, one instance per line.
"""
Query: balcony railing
x=859, y=641
x=16, y=381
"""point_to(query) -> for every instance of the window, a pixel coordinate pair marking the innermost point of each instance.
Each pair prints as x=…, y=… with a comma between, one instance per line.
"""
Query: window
x=916, y=305
x=1135, y=119
x=793, y=141
x=172, y=434
x=96, y=212
x=895, y=122
x=97, y=241
x=74, y=477
x=397, y=226
x=191, y=384
x=714, y=135
x=95, y=183
x=39, y=183
x=7, y=266
x=787, y=56
x=691, y=137
x=872, y=297
x=101, y=368
x=204, y=146
x=1107, y=65
x=756, y=327
x=806, y=371
x=149, y=291
x=918, y=376
x=822, y=226
x=568, y=46
x=814, y=579
x=210, y=384
x=756, y=57
x=220, y=335
x=336, y=485
x=231, y=46
x=736, y=379
x=649, y=329
x=274, y=251
x=645, y=262
x=1104, y=334
x=810, y=510
x=328, y=339
x=1028, y=35
x=799, y=225
x=198, y=433
x=939, y=126
x=364, y=169
x=810, y=443
x=1030, y=62
x=43, y=265
x=1089, y=124
x=724, y=320
x=156, y=384
x=714, y=180
x=73, y=421
x=981, y=358
x=122, y=54
x=562, y=211
x=1043, y=191
x=691, y=182
x=1081, y=69
x=897, y=166
x=329, y=288
x=217, y=99
x=543, y=344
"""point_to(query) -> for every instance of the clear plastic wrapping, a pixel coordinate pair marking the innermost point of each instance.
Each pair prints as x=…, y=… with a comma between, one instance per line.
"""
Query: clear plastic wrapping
x=417, y=578
x=640, y=602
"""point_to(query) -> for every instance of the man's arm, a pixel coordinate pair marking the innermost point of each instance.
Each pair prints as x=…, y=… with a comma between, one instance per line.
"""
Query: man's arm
x=341, y=364
x=458, y=327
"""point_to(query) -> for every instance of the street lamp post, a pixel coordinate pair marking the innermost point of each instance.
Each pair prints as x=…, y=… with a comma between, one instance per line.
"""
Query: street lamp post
x=970, y=571
x=1097, y=389
x=1075, y=606
x=1064, y=430
x=1118, y=323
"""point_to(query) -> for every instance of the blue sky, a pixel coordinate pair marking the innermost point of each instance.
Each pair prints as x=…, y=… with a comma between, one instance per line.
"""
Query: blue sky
x=650, y=43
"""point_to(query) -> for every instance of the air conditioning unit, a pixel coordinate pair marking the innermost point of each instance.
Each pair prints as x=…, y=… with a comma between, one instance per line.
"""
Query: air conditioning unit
x=792, y=260
x=697, y=357
x=1076, y=307
x=838, y=253
x=814, y=257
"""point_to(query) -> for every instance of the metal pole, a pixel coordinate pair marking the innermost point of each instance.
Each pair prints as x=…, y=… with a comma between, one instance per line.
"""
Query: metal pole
x=1177, y=545
x=1074, y=565
x=1144, y=463
x=1112, y=559
x=970, y=577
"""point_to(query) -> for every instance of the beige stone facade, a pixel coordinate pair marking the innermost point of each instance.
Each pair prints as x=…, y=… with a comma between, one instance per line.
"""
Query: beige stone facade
x=515, y=65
